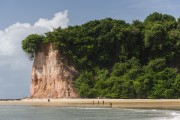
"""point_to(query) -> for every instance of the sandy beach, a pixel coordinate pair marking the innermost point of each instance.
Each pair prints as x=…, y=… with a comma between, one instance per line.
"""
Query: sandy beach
x=114, y=103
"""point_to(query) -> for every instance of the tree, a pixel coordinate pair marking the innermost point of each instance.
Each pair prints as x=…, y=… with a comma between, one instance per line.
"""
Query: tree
x=158, y=17
x=32, y=44
x=155, y=38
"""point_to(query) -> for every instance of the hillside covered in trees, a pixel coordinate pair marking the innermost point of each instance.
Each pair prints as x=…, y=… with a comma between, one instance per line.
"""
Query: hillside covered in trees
x=116, y=59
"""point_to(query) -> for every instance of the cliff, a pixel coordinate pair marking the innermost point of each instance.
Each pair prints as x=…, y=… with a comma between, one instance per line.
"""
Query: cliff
x=52, y=75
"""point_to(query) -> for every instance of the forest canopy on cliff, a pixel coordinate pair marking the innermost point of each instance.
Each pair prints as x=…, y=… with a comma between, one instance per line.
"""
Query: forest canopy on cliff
x=116, y=59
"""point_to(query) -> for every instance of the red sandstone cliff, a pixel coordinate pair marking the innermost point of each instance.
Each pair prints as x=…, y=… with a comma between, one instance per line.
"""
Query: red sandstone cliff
x=52, y=75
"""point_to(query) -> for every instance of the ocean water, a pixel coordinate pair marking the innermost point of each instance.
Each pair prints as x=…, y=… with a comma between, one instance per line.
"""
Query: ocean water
x=83, y=113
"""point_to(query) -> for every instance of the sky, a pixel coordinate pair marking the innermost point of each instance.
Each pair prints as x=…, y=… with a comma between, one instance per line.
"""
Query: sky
x=20, y=18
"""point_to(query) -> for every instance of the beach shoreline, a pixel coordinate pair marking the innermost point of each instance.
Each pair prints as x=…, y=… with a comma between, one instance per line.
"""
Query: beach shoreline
x=111, y=103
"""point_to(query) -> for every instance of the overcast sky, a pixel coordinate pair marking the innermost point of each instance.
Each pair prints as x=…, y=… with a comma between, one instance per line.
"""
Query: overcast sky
x=19, y=18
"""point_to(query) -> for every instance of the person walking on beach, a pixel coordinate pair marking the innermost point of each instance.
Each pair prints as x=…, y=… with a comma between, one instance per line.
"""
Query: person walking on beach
x=48, y=98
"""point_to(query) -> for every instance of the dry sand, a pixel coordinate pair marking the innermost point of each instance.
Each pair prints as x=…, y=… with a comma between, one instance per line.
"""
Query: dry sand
x=115, y=103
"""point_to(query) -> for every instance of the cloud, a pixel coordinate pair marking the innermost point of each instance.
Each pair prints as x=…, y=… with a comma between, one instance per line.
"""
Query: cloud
x=15, y=68
x=12, y=36
x=58, y=20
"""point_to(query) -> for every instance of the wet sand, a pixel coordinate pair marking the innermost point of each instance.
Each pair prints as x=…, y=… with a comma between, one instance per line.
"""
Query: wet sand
x=114, y=103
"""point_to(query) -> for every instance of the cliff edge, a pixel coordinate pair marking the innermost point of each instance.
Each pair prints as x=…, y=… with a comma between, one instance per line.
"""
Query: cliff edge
x=52, y=75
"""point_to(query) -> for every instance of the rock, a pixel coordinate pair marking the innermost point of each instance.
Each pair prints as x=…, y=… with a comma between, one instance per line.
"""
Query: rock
x=52, y=75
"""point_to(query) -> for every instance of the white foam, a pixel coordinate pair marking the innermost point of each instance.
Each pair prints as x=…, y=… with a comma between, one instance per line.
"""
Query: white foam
x=176, y=116
x=173, y=116
x=92, y=108
x=88, y=108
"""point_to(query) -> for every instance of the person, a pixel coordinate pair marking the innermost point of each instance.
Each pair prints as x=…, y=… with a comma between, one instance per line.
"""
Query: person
x=48, y=99
x=110, y=104
x=103, y=102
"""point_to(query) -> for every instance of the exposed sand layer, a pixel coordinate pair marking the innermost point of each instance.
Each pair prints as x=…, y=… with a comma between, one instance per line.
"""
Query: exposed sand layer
x=115, y=103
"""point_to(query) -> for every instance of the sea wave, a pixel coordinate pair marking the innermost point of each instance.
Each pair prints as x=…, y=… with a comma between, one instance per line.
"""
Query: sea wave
x=92, y=108
x=172, y=116
x=86, y=108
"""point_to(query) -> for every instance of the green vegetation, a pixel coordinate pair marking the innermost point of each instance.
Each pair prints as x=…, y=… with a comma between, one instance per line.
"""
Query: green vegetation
x=116, y=59
x=31, y=44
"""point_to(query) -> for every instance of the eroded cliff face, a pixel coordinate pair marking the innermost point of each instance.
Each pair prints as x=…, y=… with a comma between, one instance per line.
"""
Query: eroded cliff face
x=52, y=75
